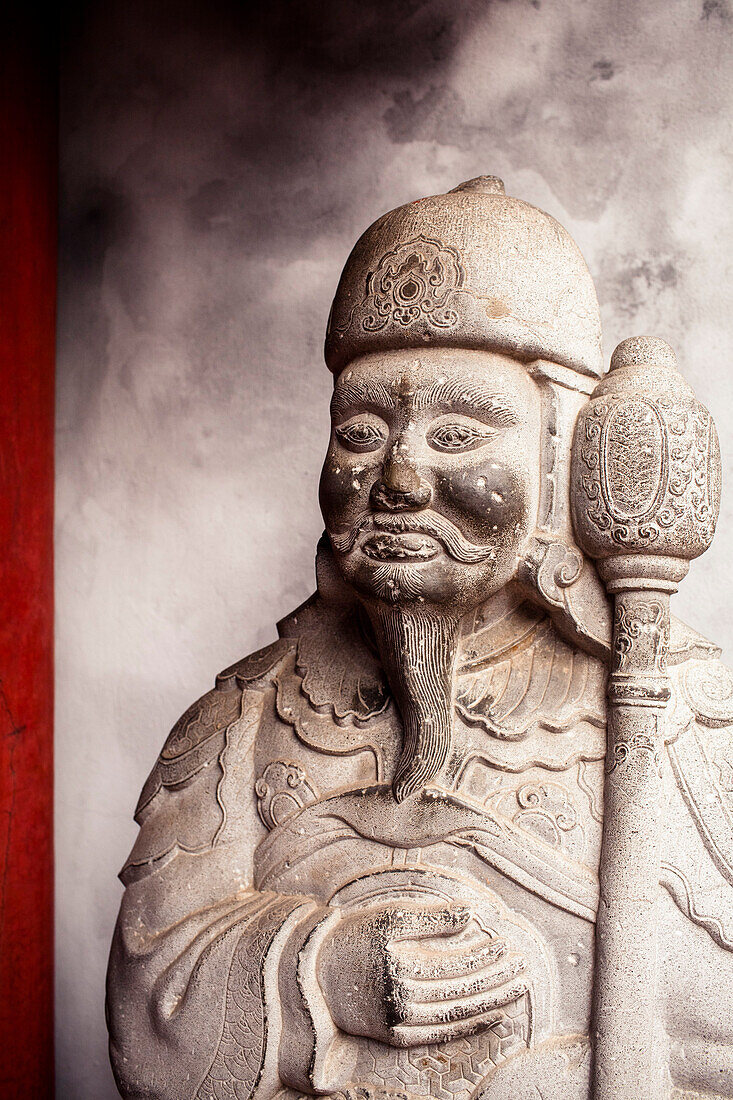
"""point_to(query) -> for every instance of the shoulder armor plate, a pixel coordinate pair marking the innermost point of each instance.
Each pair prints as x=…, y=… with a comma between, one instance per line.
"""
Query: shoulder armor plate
x=199, y=735
x=257, y=666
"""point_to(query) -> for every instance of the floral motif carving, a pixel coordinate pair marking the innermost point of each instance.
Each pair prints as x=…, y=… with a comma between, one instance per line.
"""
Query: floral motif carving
x=413, y=282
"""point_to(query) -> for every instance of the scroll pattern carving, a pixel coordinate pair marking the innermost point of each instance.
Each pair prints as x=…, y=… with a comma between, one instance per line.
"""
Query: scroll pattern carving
x=629, y=747
x=546, y=809
x=282, y=790
x=644, y=631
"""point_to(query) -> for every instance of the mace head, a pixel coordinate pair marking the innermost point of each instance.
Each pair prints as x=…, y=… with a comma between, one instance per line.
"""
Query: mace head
x=645, y=470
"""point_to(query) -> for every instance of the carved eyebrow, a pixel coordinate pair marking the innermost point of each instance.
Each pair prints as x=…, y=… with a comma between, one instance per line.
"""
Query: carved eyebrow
x=471, y=398
x=349, y=395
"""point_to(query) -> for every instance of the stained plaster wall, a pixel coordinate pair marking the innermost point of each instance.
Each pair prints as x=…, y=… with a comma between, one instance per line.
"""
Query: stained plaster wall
x=218, y=161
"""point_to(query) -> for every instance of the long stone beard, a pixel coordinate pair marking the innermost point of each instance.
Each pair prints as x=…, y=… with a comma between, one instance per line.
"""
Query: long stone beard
x=418, y=650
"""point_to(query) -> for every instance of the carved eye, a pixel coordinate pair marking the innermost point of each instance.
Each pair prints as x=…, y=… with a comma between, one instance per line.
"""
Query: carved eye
x=457, y=436
x=361, y=435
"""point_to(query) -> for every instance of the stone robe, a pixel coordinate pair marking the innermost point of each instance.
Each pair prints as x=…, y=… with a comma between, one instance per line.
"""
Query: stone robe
x=269, y=812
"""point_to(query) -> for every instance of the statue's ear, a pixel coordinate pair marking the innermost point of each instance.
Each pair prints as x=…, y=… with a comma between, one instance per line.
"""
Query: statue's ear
x=556, y=573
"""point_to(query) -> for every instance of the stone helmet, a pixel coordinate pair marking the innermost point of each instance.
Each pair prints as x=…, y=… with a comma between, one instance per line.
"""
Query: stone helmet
x=473, y=268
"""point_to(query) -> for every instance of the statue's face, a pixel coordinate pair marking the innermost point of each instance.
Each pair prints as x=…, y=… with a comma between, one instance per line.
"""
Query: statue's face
x=430, y=486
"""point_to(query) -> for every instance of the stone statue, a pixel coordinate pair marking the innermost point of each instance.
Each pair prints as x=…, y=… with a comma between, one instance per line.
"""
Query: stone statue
x=370, y=858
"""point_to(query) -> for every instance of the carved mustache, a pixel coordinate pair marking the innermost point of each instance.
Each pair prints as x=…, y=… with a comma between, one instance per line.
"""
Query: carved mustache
x=423, y=523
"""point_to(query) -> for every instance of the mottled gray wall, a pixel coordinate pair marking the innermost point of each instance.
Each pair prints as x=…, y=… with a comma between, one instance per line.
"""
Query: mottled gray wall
x=217, y=166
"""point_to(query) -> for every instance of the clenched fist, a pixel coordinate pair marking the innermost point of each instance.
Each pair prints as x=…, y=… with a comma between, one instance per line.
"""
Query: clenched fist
x=409, y=975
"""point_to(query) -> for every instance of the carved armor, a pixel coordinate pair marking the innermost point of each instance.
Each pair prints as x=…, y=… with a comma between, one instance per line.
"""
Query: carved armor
x=515, y=832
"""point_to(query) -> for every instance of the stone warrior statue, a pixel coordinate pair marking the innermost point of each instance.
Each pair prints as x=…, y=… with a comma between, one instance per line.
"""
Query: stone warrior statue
x=368, y=859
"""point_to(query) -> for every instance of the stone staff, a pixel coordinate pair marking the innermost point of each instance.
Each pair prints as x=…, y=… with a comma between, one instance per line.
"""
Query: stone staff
x=645, y=487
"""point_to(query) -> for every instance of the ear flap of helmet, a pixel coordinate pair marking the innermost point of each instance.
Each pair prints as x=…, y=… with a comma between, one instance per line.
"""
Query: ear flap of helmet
x=554, y=570
x=566, y=584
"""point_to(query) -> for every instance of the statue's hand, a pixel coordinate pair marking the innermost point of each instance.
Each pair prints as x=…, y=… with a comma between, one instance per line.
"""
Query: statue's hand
x=410, y=975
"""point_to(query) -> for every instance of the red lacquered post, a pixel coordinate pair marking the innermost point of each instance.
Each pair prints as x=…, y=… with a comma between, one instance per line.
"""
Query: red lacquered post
x=28, y=129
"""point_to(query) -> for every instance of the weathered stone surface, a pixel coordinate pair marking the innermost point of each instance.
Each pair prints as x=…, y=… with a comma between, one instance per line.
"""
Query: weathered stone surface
x=373, y=859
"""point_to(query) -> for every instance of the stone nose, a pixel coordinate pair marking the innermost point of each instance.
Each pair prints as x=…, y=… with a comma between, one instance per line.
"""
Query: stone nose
x=400, y=488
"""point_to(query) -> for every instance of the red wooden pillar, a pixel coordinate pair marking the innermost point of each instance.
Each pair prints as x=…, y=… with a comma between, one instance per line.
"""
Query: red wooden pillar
x=28, y=128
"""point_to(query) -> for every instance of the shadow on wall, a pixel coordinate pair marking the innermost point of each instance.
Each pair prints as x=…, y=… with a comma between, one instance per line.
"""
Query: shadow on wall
x=298, y=66
x=231, y=110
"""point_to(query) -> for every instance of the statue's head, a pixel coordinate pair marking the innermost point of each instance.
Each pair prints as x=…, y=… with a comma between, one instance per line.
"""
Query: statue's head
x=463, y=338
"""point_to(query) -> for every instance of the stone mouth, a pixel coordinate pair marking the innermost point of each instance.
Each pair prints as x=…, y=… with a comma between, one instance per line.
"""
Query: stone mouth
x=407, y=546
